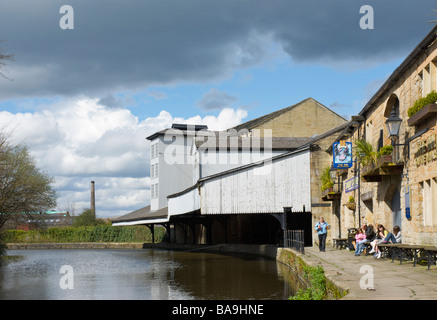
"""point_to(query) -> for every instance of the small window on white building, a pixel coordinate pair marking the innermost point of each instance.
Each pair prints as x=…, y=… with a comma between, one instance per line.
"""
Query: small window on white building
x=154, y=191
x=429, y=194
x=154, y=151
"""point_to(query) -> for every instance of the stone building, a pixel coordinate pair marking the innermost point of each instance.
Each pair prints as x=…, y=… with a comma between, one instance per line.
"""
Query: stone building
x=303, y=119
x=399, y=188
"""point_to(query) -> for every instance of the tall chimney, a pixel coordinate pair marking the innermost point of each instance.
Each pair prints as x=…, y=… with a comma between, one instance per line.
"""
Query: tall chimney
x=93, y=199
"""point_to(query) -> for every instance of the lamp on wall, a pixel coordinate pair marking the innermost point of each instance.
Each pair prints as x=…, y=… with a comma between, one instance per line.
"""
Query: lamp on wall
x=393, y=124
x=333, y=173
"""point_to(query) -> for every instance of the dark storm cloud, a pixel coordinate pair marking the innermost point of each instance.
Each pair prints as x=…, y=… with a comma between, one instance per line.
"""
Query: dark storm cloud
x=120, y=45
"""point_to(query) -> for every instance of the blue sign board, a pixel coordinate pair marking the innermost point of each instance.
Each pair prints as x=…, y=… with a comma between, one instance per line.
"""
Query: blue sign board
x=342, y=154
x=407, y=203
x=351, y=184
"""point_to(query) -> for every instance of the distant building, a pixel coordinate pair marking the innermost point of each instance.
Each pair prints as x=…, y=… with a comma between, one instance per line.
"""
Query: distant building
x=42, y=220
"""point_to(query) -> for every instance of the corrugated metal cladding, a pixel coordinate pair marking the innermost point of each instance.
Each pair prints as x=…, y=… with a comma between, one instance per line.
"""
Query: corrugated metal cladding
x=285, y=182
x=184, y=203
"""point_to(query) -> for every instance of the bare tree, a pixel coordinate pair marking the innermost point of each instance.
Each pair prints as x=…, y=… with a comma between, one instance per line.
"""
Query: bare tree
x=4, y=59
x=23, y=187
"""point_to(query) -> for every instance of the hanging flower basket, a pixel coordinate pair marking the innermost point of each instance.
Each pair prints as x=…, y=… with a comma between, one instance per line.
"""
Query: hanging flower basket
x=351, y=206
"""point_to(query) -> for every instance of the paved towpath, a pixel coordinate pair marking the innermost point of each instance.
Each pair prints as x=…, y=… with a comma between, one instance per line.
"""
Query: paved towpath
x=392, y=281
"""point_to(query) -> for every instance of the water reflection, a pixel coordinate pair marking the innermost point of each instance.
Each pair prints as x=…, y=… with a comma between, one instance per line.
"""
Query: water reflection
x=143, y=274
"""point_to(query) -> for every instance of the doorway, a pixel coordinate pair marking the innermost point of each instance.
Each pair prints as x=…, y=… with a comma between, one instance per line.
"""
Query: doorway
x=396, y=208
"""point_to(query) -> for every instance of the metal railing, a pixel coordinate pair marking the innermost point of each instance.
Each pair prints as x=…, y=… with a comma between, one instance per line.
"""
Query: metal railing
x=294, y=239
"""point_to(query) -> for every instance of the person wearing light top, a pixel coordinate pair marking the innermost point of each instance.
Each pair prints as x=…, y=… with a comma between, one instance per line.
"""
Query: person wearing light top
x=322, y=230
x=394, y=237
x=359, y=237
x=380, y=236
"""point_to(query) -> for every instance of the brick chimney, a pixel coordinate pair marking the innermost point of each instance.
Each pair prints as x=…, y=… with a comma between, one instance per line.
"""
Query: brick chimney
x=93, y=199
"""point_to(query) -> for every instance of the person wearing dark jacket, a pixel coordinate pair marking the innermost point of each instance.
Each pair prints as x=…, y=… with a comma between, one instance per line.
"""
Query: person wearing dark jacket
x=370, y=236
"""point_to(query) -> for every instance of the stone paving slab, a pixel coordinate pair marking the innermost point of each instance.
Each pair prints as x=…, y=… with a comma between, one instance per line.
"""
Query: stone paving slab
x=391, y=280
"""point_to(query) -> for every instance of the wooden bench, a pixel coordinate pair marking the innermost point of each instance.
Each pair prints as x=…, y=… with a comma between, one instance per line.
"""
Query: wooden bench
x=408, y=252
x=340, y=243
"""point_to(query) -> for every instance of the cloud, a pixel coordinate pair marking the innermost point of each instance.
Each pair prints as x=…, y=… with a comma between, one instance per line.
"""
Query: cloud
x=111, y=101
x=157, y=95
x=80, y=140
x=118, y=46
x=216, y=100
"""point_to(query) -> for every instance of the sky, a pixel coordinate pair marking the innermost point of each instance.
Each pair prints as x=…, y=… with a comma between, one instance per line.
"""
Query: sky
x=84, y=99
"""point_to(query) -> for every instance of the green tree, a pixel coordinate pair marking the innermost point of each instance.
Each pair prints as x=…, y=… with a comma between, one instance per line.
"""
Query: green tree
x=87, y=218
x=24, y=188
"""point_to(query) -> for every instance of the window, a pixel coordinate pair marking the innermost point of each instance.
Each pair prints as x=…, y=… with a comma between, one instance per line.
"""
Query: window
x=433, y=75
x=154, y=151
x=381, y=139
x=369, y=132
x=428, y=78
x=154, y=191
x=429, y=193
x=154, y=171
x=426, y=86
x=421, y=83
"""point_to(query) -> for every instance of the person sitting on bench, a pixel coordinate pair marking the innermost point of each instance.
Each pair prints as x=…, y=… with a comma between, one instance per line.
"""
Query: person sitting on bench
x=359, y=237
x=370, y=236
x=395, y=237
x=380, y=236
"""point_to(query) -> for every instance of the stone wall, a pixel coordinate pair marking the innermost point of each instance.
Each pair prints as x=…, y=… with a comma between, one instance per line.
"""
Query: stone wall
x=304, y=120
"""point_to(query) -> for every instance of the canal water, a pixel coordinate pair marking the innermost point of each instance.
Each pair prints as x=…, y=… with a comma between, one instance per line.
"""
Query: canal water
x=150, y=274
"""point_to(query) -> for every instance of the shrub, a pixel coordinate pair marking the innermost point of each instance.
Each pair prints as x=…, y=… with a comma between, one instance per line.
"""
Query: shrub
x=385, y=150
x=99, y=233
x=326, y=179
x=317, y=288
x=419, y=104
x=364, y=152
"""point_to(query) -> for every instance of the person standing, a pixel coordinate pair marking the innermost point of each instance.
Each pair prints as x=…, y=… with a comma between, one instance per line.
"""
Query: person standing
x=322, y=230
